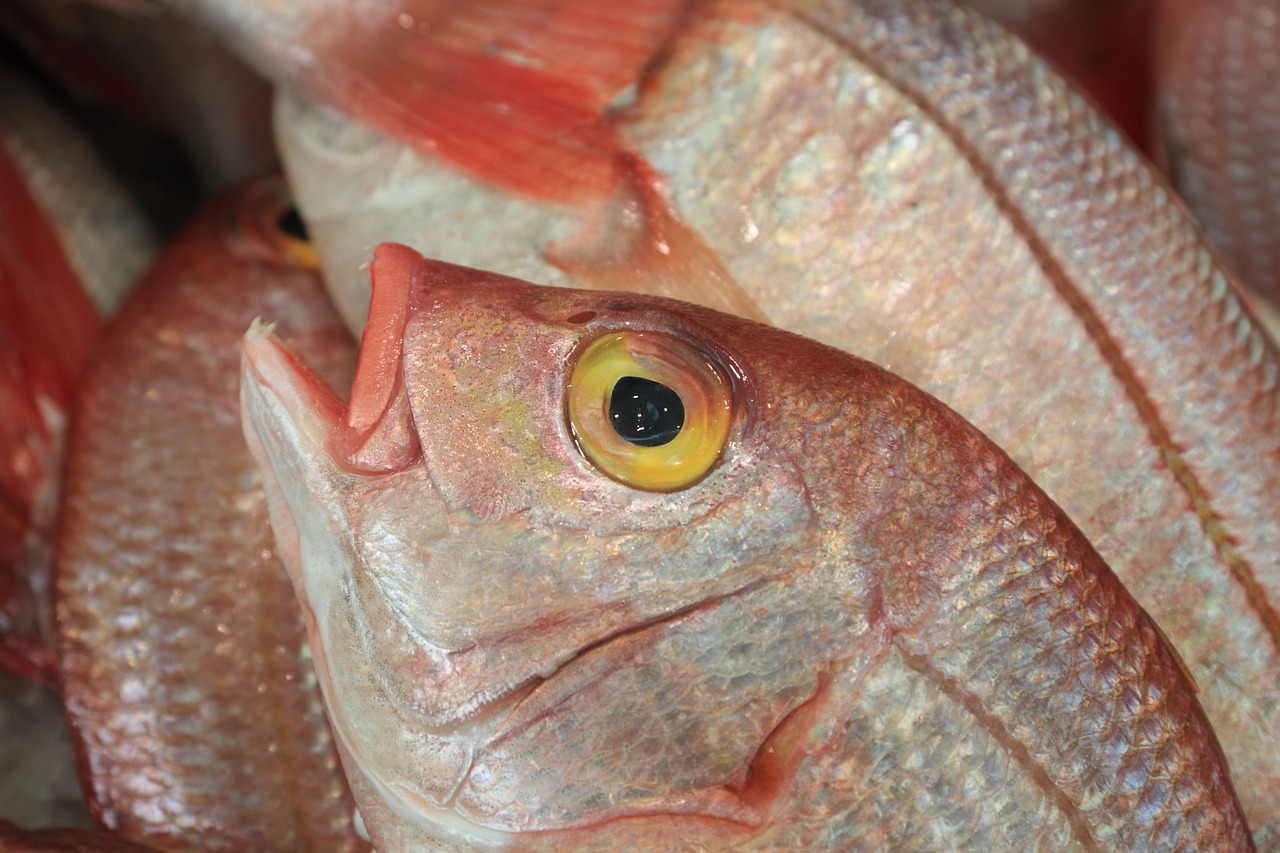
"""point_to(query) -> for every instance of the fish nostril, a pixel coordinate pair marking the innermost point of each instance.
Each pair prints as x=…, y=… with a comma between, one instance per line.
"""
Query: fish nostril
x=581, y=318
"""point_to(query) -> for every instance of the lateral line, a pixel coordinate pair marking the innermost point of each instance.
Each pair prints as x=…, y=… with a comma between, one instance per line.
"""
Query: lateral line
x=1018, y=750
x=1211, y=523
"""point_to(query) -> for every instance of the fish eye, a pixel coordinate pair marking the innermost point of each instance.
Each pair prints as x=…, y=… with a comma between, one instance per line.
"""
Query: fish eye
x=648, y=410
x=292, y=239
x=264, y=225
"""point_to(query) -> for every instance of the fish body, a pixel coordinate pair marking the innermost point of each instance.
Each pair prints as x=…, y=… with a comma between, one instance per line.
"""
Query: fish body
x=181, y=656
x=105, y=237
x=1103, y=45
x=907, y=182
x=854, y=624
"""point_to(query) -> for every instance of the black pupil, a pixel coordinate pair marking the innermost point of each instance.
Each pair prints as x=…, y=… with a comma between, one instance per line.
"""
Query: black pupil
x=645, y=412
x=291, y=223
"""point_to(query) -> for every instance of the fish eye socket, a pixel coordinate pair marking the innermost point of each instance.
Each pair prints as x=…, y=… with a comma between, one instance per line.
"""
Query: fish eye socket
x=264, y=225
x=292, y=240
x=648, y=410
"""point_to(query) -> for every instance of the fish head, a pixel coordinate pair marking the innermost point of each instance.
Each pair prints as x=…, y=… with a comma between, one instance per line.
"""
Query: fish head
x=499, y=580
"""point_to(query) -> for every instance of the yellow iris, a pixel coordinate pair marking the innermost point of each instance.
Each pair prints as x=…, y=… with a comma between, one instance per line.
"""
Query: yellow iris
x=649, y=410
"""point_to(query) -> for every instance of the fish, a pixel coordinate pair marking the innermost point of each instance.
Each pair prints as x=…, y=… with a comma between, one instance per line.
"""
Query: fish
x=181, y=656
x=70, y=239
x=588, y=570
x=103, y=230
x=1164, y=535
x=907, y=182
x=1215, y=67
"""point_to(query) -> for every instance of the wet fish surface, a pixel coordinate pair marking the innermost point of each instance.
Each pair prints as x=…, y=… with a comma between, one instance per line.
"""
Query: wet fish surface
x=815, y=610
x=181, y=655
x=905, y=181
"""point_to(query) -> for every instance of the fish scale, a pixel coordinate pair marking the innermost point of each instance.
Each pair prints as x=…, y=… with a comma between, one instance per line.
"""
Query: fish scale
x=1194, y=607
x=937, y=571
x=182, y=658
x=1058, y=325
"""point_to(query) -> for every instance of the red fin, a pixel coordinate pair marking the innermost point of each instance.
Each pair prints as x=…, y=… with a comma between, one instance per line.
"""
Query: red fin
x=511, y=91
x=47, y=324
x=377, y=432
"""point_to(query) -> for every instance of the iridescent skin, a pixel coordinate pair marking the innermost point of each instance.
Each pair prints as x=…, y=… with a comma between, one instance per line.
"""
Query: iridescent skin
x=865, y=628
x=904, y=181
x=182, y=657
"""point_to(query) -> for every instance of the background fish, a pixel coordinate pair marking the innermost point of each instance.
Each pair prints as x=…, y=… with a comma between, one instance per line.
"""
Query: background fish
x=528, y=634
x=181, y=656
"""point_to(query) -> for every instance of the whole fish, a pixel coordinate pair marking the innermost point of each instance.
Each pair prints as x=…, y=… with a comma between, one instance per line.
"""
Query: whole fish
x=1042, y=225
x=181, y=654
x=601, y=571
x=905, y=181
x=1215, y=73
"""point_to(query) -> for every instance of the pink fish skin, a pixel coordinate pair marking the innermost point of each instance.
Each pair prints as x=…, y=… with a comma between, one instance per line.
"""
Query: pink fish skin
x=861, y=626
x=182, y=657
